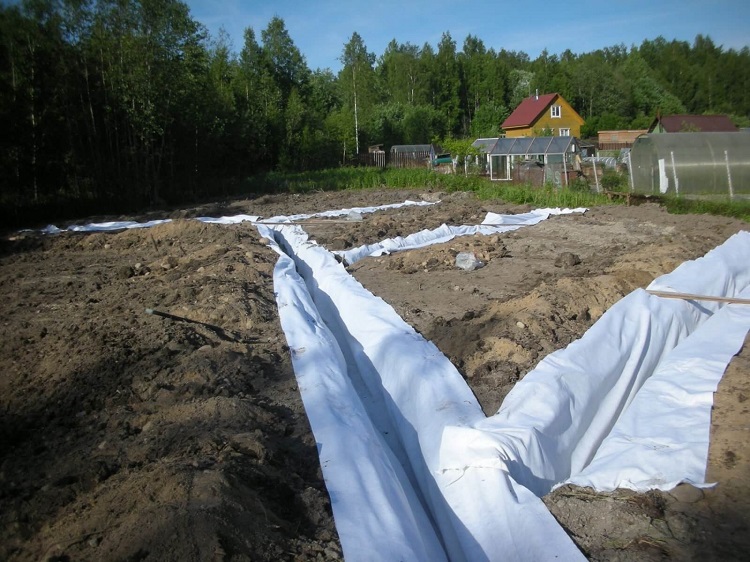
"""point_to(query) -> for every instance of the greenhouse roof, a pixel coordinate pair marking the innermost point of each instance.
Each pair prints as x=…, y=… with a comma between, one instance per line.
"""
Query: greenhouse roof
x=485, y=145
x=708, y=144
x=534, y=145
x=412, y=148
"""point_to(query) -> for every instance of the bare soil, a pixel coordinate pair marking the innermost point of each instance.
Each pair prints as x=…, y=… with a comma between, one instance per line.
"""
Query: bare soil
x=134, y=436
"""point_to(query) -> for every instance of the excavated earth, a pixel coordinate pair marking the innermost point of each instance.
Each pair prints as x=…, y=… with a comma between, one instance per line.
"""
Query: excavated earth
x=180, y=434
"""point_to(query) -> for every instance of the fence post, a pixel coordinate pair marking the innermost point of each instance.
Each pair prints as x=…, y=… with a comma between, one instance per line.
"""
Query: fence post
x=630, y=173
x=596, y=176
x=729, y=175
x=674, y=174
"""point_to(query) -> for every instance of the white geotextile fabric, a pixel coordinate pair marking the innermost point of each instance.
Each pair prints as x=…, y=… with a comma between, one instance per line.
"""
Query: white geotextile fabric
x=104, y=226
x=552, y=423
x=379, y=516
x=353, y=211
x=478, y=479
x=234, y=219
x=662, y=439
x=492, y=224
x=423, y=395
x=112, y=226
x=342, y=300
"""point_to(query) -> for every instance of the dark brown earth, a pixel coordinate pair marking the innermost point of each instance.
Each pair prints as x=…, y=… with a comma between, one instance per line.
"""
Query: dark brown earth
x=133, y=436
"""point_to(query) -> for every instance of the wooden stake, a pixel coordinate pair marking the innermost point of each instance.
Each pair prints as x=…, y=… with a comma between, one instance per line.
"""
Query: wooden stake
x=690, y=297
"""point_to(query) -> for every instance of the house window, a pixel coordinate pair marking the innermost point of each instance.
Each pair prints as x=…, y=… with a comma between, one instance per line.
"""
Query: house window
x=564, y=132
x=555, y=111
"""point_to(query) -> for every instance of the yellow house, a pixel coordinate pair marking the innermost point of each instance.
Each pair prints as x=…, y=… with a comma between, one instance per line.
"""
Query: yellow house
x=545, y=115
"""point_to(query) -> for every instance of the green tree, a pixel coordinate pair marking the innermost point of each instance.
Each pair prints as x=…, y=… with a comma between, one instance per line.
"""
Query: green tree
x=474, y=65
x=284, y=60
x=426, y=94
x=289, y=72
x=460, y=149
x=259, y=106
x=487, y=120
x=358, y=83
x=708, y=92
x=130, y=101
x=546, y=69
x=398, y=70
x=447, y=83
x=484, y=87
x=595, y=87
x=291, y=157
x=320, y=148
x=647, y=95
x=734, y=70
x=387, y=126
x=520, y=86
x=422, y=123
x=605, y=122
x=339, y=126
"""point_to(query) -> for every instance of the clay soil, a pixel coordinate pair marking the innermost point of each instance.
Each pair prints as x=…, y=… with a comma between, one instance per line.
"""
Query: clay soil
x=180, y=435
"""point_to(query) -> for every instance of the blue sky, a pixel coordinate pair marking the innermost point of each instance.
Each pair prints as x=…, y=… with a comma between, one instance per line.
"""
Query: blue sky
x=320, y=28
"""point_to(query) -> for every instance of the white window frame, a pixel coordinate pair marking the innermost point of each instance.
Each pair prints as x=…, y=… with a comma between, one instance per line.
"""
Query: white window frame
x=555, y=111
x=564, y=132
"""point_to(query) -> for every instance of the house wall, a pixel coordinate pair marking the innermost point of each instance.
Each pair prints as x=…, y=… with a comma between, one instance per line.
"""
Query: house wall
x=623, y=136
x=615, y=140
x=568, y=119
x=518, y=132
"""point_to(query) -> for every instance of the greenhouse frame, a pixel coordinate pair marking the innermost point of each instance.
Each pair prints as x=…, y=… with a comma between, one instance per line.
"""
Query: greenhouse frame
x=508, y=159
x=691, y=164
x=411, y=155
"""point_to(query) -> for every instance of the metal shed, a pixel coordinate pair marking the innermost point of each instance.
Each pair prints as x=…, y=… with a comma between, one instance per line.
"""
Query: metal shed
x=691, y=164
x=556, y=158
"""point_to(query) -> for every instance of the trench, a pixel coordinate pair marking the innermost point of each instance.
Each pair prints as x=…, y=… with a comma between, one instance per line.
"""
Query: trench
x=444, y=481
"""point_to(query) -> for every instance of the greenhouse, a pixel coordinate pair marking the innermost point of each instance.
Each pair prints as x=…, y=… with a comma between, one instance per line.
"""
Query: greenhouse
x=411, y=155
x=532, y=159
x=691, y=164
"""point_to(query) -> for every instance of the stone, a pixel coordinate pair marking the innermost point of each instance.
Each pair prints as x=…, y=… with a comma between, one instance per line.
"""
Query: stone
x=567, y=259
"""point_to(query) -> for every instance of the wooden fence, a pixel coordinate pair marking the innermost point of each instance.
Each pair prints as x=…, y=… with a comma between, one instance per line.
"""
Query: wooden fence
x=382, y=159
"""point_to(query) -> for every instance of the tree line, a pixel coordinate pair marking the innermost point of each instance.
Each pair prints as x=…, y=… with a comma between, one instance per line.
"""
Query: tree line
x=122, y=103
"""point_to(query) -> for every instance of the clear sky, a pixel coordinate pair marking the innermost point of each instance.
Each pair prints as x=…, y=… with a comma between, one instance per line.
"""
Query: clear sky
x=320, y=28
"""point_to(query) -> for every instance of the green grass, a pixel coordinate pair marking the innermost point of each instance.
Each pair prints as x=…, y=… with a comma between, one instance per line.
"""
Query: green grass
x=547, y=196
x=576, y=195
x=362, y=178
x=681, y=206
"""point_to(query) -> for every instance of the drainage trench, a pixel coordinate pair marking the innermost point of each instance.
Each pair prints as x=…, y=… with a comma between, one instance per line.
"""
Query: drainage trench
x=411, y=394
x=411, y=452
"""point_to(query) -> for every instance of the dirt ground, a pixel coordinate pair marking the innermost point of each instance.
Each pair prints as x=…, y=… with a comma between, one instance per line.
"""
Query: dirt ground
x=134, y=436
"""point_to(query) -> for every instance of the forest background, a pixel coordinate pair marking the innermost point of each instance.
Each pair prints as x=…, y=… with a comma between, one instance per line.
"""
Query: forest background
x=112, y=105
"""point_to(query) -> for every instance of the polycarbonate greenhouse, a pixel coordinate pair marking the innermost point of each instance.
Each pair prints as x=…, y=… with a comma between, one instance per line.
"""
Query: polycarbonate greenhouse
x=533, y=159
x=691, y=164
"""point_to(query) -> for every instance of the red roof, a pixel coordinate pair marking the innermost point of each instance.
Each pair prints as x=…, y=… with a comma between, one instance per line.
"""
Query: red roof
x=695, y=123
x=529, y=110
